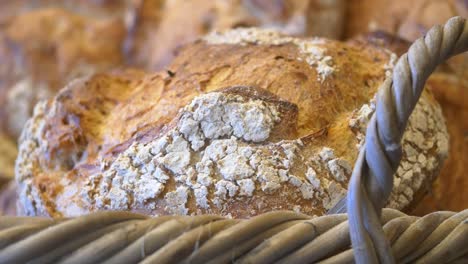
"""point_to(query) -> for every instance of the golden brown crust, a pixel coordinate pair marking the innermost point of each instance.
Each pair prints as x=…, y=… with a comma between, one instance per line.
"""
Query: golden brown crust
x=189, y=140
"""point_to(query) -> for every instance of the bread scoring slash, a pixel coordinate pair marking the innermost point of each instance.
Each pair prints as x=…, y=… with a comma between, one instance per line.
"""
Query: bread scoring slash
x=242, y=122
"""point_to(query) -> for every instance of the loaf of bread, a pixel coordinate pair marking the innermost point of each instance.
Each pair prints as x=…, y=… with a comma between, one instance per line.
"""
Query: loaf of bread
x=451, y=91
x=450, y=189
x=40, y=51
x=242, y=122
x=46, y=43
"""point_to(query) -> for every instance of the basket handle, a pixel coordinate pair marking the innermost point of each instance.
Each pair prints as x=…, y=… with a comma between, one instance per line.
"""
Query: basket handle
x=372, y=178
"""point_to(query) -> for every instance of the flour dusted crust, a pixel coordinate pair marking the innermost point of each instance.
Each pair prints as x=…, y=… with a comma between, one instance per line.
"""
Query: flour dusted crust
x=450, y=88
x=241, y=123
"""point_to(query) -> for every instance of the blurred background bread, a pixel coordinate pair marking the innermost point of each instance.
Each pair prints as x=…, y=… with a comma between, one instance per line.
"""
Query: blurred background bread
x=159, y=28
x=44, y=49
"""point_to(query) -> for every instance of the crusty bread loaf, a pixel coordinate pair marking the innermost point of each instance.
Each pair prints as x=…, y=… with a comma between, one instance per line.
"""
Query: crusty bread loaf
x=409, y=20
x=42, y=50
x=450, y=87
x=241, y=123
x=450, y=189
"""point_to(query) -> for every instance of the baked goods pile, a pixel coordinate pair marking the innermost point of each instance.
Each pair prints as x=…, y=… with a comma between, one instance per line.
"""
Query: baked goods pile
x=237, y=122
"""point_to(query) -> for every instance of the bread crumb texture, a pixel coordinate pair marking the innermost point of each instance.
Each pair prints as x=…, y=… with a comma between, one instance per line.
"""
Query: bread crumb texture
x=192, y=141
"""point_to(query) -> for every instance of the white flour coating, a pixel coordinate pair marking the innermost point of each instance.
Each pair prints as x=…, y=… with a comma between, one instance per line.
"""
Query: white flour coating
x=388, y=67
x=314, y=50
x=425, y=145
x=212, y=155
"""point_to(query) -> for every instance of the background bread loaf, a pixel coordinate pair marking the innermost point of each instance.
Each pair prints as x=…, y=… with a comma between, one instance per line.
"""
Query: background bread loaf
x=43, y=50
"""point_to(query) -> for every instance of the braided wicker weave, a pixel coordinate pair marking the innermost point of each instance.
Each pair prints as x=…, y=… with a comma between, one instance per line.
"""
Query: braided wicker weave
x=282, y=237
x=371, y=235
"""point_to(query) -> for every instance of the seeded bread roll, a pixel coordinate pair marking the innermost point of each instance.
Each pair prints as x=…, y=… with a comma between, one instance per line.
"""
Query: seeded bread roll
x=241, y=123
x=42, y=50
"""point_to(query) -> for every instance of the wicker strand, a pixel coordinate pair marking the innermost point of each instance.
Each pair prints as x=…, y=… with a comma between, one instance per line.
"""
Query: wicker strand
x=277, y=237
x=372, y=178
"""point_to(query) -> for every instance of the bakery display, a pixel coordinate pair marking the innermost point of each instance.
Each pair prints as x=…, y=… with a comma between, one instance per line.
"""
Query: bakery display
x=254, y=119
x=46, y=44
x=242, y=122
x=246, y=131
